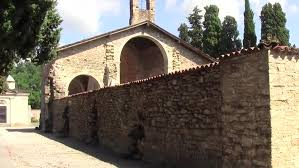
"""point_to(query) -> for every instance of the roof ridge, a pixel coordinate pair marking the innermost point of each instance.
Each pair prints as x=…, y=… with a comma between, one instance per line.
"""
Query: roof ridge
x=250, y=50
x=175, y=38
x=286, y=49
x=244, y=51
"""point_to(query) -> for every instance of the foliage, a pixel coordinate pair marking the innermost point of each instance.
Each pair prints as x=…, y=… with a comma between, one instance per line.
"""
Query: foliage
x=3, y=85
x=273, y=21
x=229, y=40
x=29, y=29
x=196, y=30
x=28, y=79
x=184, y=30
x=249, y=27
x=211, y=34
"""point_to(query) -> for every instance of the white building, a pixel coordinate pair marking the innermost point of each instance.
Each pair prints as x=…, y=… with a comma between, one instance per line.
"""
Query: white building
x=14, y=108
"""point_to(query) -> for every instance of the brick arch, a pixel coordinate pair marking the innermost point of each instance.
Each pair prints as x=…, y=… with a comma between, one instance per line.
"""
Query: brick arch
x=82, y=83
x=142, y=57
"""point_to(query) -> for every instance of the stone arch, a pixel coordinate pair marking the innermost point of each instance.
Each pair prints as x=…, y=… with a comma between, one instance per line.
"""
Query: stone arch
x=142, y=57
x=82, y=83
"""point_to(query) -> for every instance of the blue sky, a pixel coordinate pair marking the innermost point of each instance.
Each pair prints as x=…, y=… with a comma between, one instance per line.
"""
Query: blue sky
x=86, y=18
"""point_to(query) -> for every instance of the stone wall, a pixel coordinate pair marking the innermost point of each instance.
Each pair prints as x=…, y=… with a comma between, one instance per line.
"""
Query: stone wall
x=245, y=111
x=284, y=100
x=179, y=112
x=79, y=110
x=241, y=112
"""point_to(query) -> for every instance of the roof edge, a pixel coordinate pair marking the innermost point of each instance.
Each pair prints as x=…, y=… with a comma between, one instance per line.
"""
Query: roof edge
x=147, y=23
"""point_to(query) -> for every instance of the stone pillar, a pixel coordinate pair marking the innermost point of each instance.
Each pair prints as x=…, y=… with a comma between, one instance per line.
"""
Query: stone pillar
x=176, y=60
x=110, y=75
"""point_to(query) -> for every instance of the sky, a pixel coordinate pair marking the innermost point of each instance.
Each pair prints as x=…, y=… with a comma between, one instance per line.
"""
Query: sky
x=87, y=18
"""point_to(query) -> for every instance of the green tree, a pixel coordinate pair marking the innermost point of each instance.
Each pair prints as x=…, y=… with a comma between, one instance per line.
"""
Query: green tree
x=196, y=29
x=28, y=79
x=211, y=34
x=3, y=86
x=229, y=40
x=274, y=21
x=184, y=32
x=29, y=29
x=249, y=27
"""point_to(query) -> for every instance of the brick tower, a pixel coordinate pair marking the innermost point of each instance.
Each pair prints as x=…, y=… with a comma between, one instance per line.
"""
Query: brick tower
x=138, y=14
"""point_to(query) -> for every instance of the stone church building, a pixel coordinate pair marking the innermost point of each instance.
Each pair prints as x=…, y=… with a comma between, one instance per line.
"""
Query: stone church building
x=240, y=110
x=136, y=52
x=139, y=51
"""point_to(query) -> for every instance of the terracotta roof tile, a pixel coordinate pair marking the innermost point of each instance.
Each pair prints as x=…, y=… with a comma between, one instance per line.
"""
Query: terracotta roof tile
x=246, y=51
x=286, y=49
x=158, y=77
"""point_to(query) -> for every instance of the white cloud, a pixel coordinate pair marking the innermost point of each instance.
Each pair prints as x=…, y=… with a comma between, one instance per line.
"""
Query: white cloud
x=227, y=7
x=83, y=16
x=294, y=8
x=170, y=4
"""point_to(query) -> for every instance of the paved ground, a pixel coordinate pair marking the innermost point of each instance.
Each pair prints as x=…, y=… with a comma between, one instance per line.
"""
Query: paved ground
x=27, y=148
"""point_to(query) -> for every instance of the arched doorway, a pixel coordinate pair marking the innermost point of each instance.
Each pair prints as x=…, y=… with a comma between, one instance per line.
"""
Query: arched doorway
x=141, y=58
x=82, y=83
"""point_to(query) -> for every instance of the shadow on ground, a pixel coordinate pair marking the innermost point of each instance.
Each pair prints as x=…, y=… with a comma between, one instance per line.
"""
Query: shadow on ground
x=96, y=151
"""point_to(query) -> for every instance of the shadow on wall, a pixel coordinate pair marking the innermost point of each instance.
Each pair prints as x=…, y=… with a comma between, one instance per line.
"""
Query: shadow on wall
x=96, y=151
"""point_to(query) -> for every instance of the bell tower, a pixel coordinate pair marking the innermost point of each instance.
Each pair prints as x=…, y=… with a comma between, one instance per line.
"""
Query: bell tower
x=142, y=10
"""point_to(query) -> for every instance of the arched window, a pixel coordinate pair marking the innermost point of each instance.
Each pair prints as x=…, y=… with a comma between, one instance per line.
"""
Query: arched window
x=82, y=83
x=141, y=58
x=142, y=4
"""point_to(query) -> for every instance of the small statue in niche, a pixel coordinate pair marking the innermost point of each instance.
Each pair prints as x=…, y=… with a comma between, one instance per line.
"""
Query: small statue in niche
x=65, y=117
x=136, y=136
x=93, y=126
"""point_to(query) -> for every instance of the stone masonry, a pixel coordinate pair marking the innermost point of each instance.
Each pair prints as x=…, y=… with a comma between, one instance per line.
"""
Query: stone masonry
x=284, y=103
x=138, y=15
x=239, y=112
x=100, y=58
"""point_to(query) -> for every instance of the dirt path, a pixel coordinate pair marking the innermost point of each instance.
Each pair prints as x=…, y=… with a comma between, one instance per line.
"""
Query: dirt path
x=27, y=148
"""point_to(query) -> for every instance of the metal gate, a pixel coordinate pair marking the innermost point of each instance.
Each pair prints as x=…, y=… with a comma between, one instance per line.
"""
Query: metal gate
x=3, y=113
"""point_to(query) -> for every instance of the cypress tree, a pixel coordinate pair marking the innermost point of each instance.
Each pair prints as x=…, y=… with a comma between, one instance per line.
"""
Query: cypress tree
x=229, y=36
x=196, y=30
x=211, y=34
x=249, y=27
x=273, y=21
x=184, y=32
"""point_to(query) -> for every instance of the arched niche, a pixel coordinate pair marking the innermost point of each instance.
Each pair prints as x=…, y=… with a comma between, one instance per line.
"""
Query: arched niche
x=141, y=58
x=143, y=5
x=82, y=83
